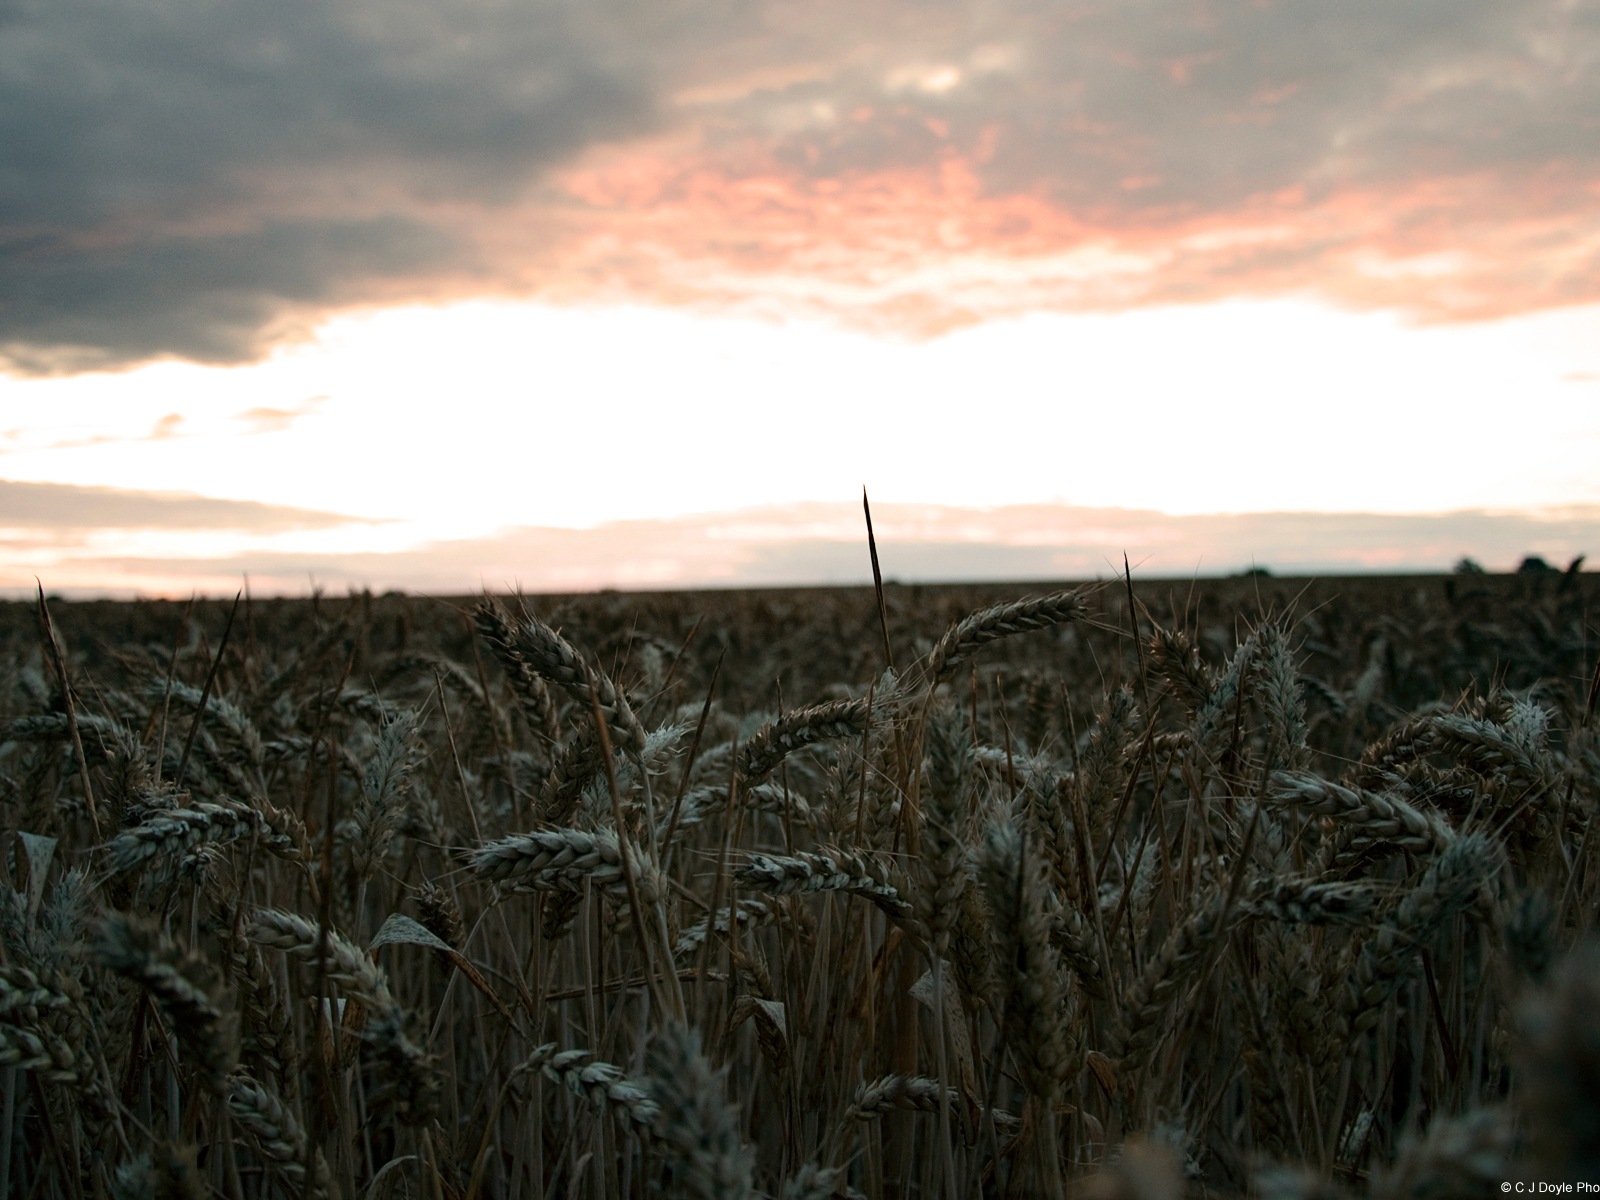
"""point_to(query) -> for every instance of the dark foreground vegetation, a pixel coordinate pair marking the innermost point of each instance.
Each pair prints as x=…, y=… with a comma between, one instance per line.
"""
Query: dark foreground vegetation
x=1262, y=887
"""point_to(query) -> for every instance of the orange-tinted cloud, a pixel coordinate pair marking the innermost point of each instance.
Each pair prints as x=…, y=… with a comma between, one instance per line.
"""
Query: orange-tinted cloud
x=898, y=165
x=276, y=420
x=167, y=427
x=924, y=250
x=824, y=544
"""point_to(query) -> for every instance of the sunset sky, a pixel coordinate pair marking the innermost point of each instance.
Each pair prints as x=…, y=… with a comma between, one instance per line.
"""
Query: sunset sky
x=641, y=293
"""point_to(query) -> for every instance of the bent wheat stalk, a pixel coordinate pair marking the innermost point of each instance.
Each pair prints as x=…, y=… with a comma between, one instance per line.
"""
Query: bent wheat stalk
x=1001, y=621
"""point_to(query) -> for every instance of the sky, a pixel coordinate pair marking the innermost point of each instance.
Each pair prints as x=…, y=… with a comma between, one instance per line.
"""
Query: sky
x=641, y=293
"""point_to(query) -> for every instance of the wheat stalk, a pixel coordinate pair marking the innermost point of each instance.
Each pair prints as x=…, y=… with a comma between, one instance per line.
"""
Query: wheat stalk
x=1000, y=621
x=276, y=1133
x=698, y=1131
x=563, y=860
x=830, y=870
x=761, y=755
x=137, y=950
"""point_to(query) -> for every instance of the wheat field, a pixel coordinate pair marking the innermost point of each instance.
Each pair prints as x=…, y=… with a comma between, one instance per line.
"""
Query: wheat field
x=1139, y=889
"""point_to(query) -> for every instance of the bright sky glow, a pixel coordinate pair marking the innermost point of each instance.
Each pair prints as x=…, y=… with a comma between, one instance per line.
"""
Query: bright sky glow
x=465, y=419
x=1050, y=286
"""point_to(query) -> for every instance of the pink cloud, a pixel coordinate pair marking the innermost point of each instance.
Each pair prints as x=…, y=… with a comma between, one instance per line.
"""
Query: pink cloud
x=922, y=250
x=889, y=165
x=825, y=544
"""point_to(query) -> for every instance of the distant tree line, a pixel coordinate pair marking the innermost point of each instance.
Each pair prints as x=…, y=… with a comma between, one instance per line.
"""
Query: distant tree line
x=1531, y=564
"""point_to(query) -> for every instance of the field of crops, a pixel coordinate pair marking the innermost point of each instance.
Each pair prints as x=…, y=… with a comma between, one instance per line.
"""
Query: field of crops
x=1244, y=887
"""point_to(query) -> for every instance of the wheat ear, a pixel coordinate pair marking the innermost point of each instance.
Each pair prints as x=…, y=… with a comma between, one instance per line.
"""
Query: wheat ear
x=1001, y=621
x=699, y=1132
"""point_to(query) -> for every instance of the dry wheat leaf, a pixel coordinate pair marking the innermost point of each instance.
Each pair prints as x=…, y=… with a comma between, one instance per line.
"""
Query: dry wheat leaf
x=772, y=1027
x=401, y=928
x=1105, y=1073
x=955, y=1021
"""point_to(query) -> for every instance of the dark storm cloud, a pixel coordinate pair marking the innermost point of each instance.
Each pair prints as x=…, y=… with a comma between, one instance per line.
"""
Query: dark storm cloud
x=178, y=173
x=65, y=510
x=210, y=298
x=202, y=177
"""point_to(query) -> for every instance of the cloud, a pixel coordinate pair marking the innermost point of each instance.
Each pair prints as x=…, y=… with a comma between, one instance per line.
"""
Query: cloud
x=824, y=544
x=1430, y=158
x=205, y=179
x=276, y=420
x=189, y=178
x=77, y=512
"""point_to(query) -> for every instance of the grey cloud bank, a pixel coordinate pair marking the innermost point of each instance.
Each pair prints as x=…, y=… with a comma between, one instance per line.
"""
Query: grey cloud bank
x=180, y=175
x=77, y=512
x=203, y=178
